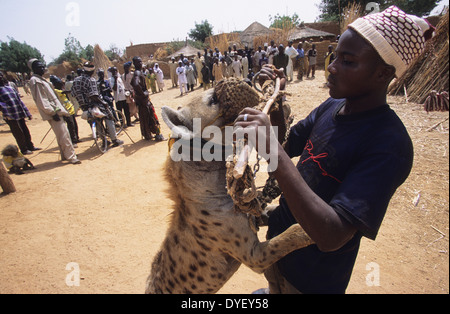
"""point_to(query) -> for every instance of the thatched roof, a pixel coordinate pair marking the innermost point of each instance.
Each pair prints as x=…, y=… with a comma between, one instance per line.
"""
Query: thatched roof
x=254, y=30
x=187, y=51
x=101, y=61
x=430, y=70
x=305, y=33
x=61, y=70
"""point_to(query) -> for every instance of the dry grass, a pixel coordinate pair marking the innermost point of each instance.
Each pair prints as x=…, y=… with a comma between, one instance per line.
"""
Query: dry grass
x=101, y=61
x=352, y=12
x=279, y=36
x=223, y=41
x=430, y=71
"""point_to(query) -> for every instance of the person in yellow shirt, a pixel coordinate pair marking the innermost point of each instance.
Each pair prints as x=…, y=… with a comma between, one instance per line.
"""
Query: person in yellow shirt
x=71, y=121
x=217, y=71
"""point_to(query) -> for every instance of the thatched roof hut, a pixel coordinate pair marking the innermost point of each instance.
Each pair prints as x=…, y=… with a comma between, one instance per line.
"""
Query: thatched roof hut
x=61, y=70
x=250, y=33
x=101, y=61
x=430, y=71
x=188, y=51
x=306, y=33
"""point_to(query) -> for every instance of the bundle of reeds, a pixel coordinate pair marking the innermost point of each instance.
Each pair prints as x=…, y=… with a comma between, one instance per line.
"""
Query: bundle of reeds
x=350, y=13
x=429, y=71
x=101, y=61
x=279, y=35
x=223, y=41
x=160, y=54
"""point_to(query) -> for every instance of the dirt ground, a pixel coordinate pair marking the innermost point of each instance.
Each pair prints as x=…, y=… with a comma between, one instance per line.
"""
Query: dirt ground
x=109, y=215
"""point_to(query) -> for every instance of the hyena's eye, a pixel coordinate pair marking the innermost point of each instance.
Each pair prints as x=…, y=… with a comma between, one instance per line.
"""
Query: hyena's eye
x=213, y=100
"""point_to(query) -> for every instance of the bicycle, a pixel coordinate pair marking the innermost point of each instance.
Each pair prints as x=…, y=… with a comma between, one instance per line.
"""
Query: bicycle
x=100, y=131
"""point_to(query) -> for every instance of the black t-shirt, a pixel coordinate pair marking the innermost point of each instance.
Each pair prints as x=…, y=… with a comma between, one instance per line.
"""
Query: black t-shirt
x=355, y=163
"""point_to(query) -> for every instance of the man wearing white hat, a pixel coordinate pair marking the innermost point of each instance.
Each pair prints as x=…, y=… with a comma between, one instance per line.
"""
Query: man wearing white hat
x=51, y=110
x=354, y=153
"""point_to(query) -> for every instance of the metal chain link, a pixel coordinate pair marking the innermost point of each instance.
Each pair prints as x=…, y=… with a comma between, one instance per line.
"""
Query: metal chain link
x=257, y=166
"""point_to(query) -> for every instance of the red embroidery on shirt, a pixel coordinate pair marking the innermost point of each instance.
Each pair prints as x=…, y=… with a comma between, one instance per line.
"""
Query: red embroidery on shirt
x=309, y=147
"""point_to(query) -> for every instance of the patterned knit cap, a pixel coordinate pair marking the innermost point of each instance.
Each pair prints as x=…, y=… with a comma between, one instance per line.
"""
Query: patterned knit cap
x=397, y=37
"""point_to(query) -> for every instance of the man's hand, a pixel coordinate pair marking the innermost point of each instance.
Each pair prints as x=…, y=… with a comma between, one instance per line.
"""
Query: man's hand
x=251, y=118
x=98, y=99
x=269, y=72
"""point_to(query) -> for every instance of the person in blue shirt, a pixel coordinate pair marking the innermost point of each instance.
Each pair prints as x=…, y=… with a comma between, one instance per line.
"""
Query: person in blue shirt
x=354, y=153
x=14, y=113
x=300, y=61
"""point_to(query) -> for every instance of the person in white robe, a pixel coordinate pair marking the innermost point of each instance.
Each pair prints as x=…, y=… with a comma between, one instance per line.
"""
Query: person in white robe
x=159, y=77
x=182, y=79
x=292, y=54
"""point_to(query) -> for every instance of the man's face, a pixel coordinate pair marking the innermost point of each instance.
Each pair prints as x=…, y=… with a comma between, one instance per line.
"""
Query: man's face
x=352, y=73
x=138, y=63
x=38, y=68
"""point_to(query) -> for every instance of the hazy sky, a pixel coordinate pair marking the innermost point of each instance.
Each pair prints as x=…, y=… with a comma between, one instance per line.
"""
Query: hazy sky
x=45, y=24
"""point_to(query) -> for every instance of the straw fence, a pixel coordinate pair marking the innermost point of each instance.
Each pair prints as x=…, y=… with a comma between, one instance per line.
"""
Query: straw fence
x=429, y=72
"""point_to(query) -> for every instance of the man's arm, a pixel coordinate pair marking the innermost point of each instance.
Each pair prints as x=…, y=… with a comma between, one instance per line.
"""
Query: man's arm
x=41, y=100
x=115, y=83
x=98, y=99
x=93, y=93
x=320, y=221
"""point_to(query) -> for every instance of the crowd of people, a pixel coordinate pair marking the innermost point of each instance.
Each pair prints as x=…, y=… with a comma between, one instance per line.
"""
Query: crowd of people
x=60, y=100
x=212, y=66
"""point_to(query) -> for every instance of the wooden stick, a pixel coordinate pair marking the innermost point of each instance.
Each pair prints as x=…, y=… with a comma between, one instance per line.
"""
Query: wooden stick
x=274, y=96
x=440, y=238
x=437, y=230
x=436, y=125
x=406, y=93
x=46, y=135
x=242, y=162
x=129, y=136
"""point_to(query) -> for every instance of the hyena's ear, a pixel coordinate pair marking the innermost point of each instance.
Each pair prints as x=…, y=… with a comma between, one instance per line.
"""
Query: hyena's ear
x=177, y=122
